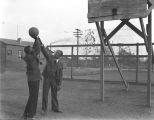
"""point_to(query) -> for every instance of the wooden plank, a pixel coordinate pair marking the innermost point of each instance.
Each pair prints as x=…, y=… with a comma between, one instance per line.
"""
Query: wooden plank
x=102, y=63
x=120, y=44
x=117, y=17
x=149, y=59
x=102, y=10
x=101, y=37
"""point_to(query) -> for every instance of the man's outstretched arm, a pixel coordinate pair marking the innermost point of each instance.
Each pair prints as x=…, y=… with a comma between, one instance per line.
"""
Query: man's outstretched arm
x=44, y=50
x=37, y=46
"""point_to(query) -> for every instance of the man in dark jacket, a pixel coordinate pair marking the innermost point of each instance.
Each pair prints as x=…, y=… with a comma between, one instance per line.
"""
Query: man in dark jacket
x=52, y=74
x=33, y=76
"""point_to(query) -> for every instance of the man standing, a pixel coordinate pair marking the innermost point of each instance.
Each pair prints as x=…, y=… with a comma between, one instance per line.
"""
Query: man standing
x=33, y=76
x=52, y=74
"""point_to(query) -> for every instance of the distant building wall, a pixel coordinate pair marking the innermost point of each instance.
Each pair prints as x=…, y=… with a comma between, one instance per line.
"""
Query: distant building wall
x=2, y=57
x=14, y=52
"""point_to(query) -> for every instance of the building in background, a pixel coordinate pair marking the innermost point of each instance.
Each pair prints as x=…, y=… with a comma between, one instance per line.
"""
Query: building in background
x=14, y=48
x=10, y=53
x=2, y=57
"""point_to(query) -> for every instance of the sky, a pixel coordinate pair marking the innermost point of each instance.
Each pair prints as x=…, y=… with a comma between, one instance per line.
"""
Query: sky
x=55, y=20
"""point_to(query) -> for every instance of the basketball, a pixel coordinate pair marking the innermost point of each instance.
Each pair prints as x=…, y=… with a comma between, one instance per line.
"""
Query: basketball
x=33, y=32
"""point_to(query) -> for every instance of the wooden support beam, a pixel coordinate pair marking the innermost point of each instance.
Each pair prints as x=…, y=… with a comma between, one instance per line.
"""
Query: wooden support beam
x=137, y=62
x=113, y=55
x=144, y=33
x=149, y=58
x=150, y=6
x=150, y=3
x=115, y=30
x=100, y=36
x=150, y=9
x=102, y=65
x=135, y=29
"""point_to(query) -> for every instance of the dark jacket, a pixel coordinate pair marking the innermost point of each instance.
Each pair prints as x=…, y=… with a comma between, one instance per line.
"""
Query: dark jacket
x=59, y=72
x=32, y=61
x=53, y=71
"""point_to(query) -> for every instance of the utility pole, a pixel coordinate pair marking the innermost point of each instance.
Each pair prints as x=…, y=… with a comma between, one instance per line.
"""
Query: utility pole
x=77, y=34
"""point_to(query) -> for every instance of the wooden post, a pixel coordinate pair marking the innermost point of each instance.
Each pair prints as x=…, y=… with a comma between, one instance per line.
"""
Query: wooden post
x=137, y=61
x=149, y=58
x=144, y=33
x=102, y=63
x=100, y=36
x=72, y=64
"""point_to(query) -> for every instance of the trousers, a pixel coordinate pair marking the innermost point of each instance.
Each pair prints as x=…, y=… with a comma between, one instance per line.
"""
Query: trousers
x=31, y=106
x=47, y=84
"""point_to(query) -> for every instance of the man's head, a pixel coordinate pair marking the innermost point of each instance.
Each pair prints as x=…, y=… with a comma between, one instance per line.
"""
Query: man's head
x=58, y=54
x=28, y=49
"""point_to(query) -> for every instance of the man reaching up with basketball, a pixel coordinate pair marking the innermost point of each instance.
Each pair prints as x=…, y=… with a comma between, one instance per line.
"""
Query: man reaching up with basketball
x=33, y=74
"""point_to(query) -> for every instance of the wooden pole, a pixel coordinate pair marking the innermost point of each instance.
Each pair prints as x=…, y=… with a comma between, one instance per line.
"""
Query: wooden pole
x=72, y=64
x=102, y=63
x=101, y=36
x=137, y=61
x=149, y=58
x=144, y=33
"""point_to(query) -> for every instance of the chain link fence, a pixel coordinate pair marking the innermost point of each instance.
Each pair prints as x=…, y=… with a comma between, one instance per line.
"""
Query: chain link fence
x=131, y=58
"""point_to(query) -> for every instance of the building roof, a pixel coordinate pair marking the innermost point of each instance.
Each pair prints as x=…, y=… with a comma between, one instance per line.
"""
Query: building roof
x=16, y=42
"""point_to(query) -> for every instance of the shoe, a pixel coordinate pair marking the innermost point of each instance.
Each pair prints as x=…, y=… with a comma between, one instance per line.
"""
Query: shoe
x=57, y=111
x=23, y=118
x=31, y=118
x=43, y=112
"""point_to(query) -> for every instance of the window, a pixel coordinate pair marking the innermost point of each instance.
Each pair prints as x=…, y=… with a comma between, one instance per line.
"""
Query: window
x=9, y=52
x=19, y=53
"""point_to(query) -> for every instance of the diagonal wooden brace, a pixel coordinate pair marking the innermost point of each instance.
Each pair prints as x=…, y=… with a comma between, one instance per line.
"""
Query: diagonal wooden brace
x=135, y=29
x=113, y=55
x=115, y=30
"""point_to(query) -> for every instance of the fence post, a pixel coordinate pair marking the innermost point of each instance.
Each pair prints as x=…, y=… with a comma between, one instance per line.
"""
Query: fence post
x=137, y=61
x=102, y=64
x=72, y=63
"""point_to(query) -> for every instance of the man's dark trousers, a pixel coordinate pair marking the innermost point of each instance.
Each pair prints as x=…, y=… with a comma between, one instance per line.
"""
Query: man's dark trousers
x=31, y=105
x=47, y=84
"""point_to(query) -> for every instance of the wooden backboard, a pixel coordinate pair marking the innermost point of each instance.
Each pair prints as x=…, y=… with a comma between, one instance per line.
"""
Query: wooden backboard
x=103, y=10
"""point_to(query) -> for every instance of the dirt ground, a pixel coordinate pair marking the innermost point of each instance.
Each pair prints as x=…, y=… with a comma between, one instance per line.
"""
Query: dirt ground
x=78, y=100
